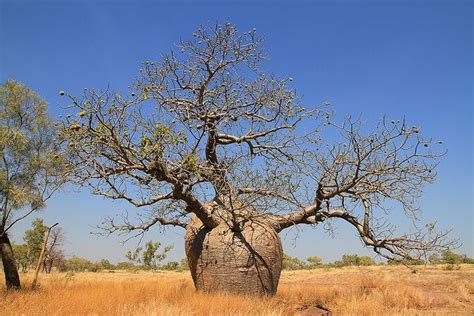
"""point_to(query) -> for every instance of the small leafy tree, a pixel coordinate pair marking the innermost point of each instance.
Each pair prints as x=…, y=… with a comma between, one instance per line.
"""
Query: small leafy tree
x=34, y=239
x=366, y=261
x=172, y=265
x=314, y=260
x=184, y=265
x=125, y=266
x=149, y=256
x=78, y=264
x=350, y=260
x=21, y=257
x=106, y=265
x=356, y=260
x=292, y=263
x=434, y=259
x=451, y=257
x=30, y=164
x=407, y=262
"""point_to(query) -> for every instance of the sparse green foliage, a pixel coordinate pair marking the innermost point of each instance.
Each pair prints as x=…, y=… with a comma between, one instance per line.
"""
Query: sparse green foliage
x=27, y=254
x=292, y=263
x=172, y=265
x=34, y=239
x=184, y=264
x=434, y=259
x=453, y=260
x=314, y=260
x=21, y=257
x=30, y=164
x=106, y=265
x=407, y=262
x=469, y=260
x=149, y=256
x=31, y=160
x=356, y=260
x=124, y=266
x=450, y=257
x=77, y=264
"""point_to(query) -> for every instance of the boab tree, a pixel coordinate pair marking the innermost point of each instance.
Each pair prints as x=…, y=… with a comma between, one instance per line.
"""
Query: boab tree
x=208, y=142
x=30, y=164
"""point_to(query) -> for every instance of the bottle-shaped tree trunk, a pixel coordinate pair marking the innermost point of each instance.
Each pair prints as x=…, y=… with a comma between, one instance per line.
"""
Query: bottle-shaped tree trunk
x=244, y=262
x=12, y=279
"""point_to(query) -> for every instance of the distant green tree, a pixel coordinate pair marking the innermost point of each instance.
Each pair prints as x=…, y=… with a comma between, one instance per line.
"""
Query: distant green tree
x=106, y=265
x=434, y=259
x=149, y=256
x=172, y=265
x=366, y=261
x=125, y=265
x=356, y=260
x=407, y=262
x=292, y=263
x=314, y=260
x=34, y=239
x=450, y=257
x=349, y=260
x=21, y=257
x=469, y=260
x=78, y=264
x=184, y=264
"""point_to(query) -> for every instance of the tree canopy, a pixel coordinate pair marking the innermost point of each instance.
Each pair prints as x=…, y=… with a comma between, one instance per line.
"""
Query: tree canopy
x=206, y=131
x=27, y=254
x=30, y=163
x=149, y=256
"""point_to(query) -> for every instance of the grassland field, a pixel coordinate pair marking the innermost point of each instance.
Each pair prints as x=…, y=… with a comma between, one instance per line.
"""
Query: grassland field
x=377, y=290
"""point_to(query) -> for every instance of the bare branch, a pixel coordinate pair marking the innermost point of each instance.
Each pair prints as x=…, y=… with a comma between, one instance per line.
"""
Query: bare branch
x=206, y=129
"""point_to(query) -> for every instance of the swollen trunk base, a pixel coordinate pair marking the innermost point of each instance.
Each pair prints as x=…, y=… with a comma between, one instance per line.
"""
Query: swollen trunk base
x=221, y=260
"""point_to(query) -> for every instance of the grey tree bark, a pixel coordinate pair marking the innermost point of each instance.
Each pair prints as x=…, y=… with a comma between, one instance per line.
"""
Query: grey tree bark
x=247, y=261
x=12, y=279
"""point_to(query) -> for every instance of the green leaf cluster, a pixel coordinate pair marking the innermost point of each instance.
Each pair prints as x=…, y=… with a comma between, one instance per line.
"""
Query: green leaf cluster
x=29, y=149
x=161, y=136
x=149, y=256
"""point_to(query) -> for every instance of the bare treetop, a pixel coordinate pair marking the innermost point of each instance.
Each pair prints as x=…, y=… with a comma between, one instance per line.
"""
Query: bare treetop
x=206, y=132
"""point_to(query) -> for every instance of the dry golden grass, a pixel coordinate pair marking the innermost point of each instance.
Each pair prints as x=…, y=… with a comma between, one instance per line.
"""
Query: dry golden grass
x=346, y=291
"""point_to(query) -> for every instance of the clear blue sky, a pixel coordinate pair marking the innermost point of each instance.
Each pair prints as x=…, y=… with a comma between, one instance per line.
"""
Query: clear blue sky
x=412, y=58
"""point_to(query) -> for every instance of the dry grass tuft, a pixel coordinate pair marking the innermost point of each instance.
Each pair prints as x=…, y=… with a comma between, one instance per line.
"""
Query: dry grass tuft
x=348, y=291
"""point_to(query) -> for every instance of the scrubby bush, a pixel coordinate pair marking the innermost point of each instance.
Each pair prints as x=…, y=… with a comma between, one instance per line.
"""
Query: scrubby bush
x=292, y=263
x=124, y=266
x=172, y=265
x=78, y=264
x=314, y=261
x=150, y=256
x=434, y=259
x=184, y=265
x=106, y=265
x=356, y=260
x=450, y=257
